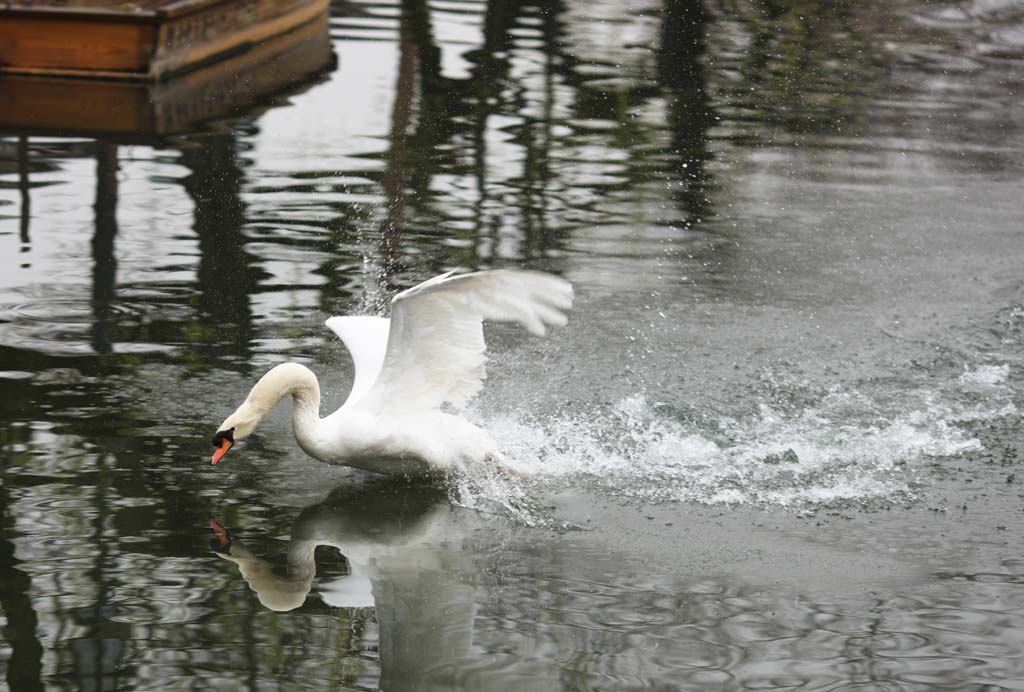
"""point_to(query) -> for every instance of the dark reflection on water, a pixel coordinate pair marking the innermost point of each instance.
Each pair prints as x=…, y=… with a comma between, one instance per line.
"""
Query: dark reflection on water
x=815, y=206
x=225, y=273
x=402, y=549
x=104, y=280
x=428, y=599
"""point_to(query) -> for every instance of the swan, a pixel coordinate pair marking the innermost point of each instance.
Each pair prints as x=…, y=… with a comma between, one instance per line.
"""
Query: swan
x=428, y=355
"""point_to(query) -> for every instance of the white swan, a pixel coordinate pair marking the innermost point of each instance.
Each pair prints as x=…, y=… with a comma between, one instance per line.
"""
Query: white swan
x=430, y=353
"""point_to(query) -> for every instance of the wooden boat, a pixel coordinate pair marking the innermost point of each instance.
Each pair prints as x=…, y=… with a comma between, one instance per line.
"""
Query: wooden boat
x=145, y=40
x=127, y=111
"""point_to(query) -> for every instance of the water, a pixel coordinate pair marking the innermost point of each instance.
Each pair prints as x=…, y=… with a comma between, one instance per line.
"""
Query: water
x=778, y=446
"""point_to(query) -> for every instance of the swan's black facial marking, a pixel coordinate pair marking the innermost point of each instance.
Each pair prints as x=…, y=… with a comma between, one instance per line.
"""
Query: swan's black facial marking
x=223, y=441
x=222, y=435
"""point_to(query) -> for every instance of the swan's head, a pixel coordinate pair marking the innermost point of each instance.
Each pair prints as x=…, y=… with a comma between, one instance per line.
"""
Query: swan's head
x=281, y=380
x=236, y=427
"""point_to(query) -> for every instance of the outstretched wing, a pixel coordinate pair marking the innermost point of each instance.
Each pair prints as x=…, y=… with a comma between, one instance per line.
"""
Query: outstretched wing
x=366, y=338
x=435, y=348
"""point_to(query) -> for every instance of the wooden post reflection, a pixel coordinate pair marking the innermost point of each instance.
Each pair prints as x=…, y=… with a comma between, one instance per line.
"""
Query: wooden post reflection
x=104, y=264
x=488, y=78
x=23, y=188
x=681, y=71
x=225, y=274
x=414, y=45
x=99, y=654
x=25, y=665
x=538, y=161
x=394, y=173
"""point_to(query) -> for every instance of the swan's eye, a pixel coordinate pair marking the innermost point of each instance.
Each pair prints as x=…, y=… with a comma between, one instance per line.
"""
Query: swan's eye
x=222, y=435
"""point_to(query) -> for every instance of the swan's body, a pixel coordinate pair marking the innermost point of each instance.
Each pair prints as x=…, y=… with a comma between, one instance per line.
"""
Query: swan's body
x=428, y=354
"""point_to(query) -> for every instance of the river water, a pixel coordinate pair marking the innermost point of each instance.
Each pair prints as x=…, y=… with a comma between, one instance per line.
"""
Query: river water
x=778, y=446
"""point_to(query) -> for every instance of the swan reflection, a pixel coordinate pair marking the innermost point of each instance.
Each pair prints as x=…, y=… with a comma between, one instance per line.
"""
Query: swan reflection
x=401, y=543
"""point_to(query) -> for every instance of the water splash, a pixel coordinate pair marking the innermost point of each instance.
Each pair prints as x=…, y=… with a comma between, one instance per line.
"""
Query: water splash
x=985, y=376
x=485, y=491
x=846, y=446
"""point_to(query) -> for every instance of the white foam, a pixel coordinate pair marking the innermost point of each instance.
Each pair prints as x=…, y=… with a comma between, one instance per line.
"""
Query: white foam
x=843, y=448
x=985, y=376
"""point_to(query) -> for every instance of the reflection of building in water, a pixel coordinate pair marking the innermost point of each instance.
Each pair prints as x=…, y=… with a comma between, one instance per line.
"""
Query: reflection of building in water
x=165, y=114
x=226, y=275
x=23, y=189
x=556, y=121
x=401, y=543
x=682, y=75
x=25, y=661
x=104, y=279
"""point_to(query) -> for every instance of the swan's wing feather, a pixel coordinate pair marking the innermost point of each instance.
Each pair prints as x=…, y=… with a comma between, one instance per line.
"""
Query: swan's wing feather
x=366, y=338
x=435, y=351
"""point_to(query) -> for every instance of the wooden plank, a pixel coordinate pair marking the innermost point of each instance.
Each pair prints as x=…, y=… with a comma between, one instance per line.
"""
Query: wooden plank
x=58, y=42
x=142, y=45
x=69, y=73
x=176, y=8
x=225, y=27
x=131, y=12
x=122, y=6
x=225, y=87
x=85, y=8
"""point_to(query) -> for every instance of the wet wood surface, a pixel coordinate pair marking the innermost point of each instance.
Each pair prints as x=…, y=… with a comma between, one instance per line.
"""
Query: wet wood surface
x=134, y=111
x=146, y=40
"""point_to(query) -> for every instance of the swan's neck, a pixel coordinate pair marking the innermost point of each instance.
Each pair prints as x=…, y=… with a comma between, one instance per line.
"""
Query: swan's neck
x=285, y=379
x=282, y=380
x=305, y=391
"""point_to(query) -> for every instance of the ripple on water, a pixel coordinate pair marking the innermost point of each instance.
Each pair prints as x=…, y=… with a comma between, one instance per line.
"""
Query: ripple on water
x=751, y=638
x=559, y=135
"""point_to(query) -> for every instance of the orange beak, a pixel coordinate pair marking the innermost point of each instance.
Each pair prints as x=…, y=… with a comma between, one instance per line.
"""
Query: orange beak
x=225, y=445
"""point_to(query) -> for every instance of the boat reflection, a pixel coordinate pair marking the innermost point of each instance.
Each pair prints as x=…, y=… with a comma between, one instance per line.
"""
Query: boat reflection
x=196, y=114
x=401, y=543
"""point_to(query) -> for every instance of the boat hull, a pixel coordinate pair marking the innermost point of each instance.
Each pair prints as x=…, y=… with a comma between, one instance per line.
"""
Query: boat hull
x=131, y=111
x=145, y=41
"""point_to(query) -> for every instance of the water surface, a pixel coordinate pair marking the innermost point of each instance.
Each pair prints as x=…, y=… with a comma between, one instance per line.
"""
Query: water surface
x=777, y=447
